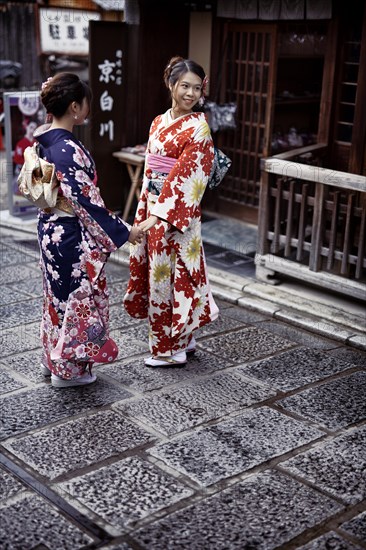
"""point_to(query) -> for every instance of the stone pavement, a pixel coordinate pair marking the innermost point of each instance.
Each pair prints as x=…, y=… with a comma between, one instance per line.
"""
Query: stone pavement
x=258, y=443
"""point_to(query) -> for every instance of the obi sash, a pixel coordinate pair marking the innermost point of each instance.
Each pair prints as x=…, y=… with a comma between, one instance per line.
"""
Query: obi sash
x=160, y=163
x=160, y=166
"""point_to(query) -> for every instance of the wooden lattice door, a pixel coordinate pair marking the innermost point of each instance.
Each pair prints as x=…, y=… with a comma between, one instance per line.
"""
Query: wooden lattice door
x=248, y=79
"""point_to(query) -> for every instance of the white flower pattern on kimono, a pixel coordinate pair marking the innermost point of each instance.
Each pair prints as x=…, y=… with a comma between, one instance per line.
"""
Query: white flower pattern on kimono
x=54, y=274
x=95, y=197
x=203, y=132
x=80, y=351
x=160, y=267
x=193, y=187
x=45, y=241
x=191, y=252
x=66, y=190
x=50, y=257
x=57, y=233
x=82, y=177
x=79, y=157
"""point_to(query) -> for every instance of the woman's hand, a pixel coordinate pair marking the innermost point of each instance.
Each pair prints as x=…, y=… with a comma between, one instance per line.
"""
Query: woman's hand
x=136, y=234
x=148, y=223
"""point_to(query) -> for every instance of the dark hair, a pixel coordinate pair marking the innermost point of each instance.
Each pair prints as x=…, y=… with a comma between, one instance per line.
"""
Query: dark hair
x=61, y=90
x=177, y=67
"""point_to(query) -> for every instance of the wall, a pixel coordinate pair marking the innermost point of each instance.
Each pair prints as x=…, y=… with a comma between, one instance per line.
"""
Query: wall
x=200, y=30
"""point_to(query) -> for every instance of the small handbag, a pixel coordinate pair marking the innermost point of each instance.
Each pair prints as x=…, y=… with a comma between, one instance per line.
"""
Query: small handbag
x=37, y=179
x=221, y=165
x=221, y=116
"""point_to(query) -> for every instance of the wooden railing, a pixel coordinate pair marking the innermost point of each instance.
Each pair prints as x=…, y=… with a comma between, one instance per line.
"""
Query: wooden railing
x=312, y=222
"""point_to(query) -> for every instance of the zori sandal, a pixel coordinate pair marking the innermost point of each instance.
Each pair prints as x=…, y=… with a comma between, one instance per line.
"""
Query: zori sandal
x=177, y=360
x=191, y=348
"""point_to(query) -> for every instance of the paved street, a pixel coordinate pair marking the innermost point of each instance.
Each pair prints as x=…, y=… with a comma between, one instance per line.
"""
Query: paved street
x=258, y=443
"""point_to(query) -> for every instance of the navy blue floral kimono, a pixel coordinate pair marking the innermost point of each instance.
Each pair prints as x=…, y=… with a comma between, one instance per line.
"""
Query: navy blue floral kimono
x=75, y=240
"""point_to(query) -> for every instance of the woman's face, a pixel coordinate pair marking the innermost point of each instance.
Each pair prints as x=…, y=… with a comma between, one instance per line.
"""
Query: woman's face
x=186, y=92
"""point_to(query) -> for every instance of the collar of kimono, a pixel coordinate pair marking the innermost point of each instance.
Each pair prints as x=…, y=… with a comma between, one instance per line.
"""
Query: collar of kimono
x=160, y=163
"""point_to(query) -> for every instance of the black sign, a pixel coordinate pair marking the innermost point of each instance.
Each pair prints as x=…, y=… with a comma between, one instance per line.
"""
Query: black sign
x=108, y=40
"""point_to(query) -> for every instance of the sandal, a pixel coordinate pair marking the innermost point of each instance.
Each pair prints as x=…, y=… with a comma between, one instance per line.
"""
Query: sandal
x=177, y=360
x=45, y=370
x=191, y=348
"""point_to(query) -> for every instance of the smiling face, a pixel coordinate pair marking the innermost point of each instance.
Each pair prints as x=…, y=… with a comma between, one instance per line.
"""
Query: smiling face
x=186, y=93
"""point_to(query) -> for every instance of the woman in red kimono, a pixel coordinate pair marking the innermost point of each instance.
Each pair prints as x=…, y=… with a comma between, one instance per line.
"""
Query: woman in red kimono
x=75, y=239
x=168, y=277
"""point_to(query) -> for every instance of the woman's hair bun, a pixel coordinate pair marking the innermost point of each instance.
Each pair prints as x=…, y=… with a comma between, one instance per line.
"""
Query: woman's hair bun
x=169, y=68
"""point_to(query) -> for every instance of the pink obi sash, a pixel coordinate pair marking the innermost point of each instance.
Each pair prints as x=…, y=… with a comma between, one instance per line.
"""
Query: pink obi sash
x=159, y=163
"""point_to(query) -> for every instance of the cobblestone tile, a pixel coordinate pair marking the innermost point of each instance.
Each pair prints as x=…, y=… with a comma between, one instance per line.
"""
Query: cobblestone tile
x=78, y=443
x=22, y=338
x=235, y=445
x=356, y=527
x=117, y=272
x=9, y=295
x=222, y=324
x=295, y=368
x=336, y=404
x=126, y=491
x=329, y=540
x=27, y=364
x=10, y=256
x=10, y=486
x=247, y=344
x=119, y=319
x=15, y=273
x=136, y=375
x=337, y=466
x=221, y=304
x=297, y=335
x=117, y=290
x=356, y=358
x=127, y=344
x=33, y=287
x=8, y=383
x=20, y=313
x=195, y=403
x=33, y=521
x=244, y=315
x=38, y=407
x=263, y=512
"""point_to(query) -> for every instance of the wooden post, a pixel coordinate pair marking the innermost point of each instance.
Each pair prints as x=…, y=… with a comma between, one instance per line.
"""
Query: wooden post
x=317, y=229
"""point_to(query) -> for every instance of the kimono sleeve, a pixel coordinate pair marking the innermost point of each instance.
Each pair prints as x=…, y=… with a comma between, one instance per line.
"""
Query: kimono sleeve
x=183, y=189
x=77, y=180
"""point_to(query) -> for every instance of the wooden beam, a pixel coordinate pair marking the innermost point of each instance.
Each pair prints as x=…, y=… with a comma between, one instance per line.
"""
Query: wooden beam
x=324, y=176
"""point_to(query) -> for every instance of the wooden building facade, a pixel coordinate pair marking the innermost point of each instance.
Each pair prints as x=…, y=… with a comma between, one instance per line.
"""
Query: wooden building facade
x=297, y=74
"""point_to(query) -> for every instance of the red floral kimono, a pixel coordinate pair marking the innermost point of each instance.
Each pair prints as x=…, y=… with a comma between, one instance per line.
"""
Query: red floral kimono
x=168, y=276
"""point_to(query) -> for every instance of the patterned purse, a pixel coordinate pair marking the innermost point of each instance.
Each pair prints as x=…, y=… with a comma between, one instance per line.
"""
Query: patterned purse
x=221, y=165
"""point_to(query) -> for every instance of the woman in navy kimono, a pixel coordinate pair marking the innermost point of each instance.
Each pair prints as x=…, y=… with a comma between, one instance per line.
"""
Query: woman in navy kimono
x=75, y=239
